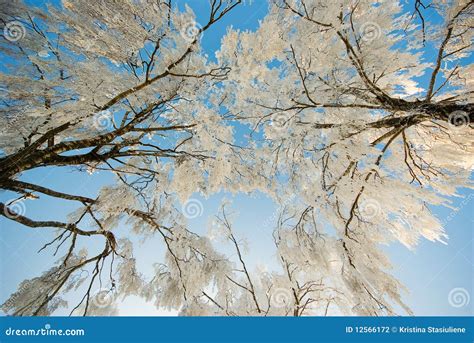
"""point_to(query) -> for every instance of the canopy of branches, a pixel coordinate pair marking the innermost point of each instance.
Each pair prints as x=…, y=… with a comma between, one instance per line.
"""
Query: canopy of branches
x=355, y=116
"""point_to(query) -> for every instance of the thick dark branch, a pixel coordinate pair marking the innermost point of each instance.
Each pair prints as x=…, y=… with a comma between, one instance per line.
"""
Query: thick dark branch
x=8, y=213
x=21, y=185
x=442, y=47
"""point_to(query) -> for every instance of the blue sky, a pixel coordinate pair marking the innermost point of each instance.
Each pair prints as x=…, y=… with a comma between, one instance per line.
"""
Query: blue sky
x=430, y=272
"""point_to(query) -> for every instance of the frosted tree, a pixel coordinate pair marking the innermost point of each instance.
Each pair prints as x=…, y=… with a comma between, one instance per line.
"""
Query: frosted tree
x=355, y=126
x=365, y=109
x=117, y=87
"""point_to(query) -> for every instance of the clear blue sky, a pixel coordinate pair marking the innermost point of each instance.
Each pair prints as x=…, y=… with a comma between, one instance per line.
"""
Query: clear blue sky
x=429, y=272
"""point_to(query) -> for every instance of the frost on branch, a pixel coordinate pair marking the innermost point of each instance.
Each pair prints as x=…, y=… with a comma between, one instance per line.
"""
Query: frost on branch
x=365, y=144
x=355, y=149
x=37, y=296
